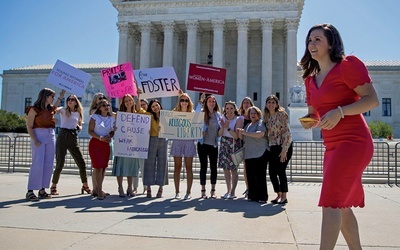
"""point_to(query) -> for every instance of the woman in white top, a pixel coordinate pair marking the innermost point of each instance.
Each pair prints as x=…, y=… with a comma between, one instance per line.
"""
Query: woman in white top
x=67, y=139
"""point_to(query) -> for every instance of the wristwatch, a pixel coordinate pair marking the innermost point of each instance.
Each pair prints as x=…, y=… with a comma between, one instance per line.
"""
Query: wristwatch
x=229, y=129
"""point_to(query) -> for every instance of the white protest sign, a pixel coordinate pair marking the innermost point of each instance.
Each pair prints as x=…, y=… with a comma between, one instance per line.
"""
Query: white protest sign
x=181, y=125
x=157, y=82
x=132, y=136
x=69, y=78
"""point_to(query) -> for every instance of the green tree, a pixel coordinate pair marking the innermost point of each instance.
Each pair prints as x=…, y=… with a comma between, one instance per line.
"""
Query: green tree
x=380, y=129
x=12, y=122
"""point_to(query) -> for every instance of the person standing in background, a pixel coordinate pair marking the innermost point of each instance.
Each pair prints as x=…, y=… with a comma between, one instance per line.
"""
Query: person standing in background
x=280, y=142
x=208, y=145
x=244, y=105
x=40, y=125
x=67, y=139
x=339, y=90
x=101, y=128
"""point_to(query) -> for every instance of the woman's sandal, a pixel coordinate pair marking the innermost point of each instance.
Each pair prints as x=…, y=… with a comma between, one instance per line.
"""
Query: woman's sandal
x=148, y=193
x=203, y=194
x=30, y=196
x=53, y=191
x=159, y=193
x=212, y=194
x=43, y=195
x=85, y=189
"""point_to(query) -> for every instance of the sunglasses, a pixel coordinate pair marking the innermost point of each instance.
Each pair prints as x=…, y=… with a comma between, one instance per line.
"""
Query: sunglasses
x=184, y=100
x=105, y=105
x=71, y=99
x=102, y=98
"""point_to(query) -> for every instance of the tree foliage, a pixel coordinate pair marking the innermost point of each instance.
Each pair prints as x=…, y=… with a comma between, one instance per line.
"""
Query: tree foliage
x=380, y=129
x=12, y=122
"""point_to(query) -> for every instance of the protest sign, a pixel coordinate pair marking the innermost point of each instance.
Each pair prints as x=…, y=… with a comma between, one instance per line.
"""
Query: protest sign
x=181, y=125
x=68, y=78
x=208, y=79
x=131, y=139
x=119, y=80
x=157, y=82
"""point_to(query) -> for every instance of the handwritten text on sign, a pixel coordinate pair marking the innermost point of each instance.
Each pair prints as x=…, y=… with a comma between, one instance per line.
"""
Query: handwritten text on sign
x=181, y=125
x=68, y=78
x=119, y=80
x=157, y=82
x=132, y=136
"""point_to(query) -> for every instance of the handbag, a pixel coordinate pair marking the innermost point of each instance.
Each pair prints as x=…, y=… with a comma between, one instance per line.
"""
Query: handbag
x=238, y=155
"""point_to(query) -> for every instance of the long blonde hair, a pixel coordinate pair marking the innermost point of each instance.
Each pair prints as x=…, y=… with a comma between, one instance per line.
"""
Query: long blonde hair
x=178, y=106
x=122, y=106
x=77, y=108
x=93, y=104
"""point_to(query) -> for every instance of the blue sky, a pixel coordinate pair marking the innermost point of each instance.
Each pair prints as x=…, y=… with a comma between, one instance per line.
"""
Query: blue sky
x=84, y=31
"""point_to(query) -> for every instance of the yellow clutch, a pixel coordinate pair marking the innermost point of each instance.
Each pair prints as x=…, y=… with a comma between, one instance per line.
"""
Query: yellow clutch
x=308, y=119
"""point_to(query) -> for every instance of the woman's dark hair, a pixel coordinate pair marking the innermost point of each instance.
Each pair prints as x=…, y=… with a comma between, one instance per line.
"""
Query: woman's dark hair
x=234, y=106
x=151, y=111
x=311, y=66
x=205, y=108
x=41, y=100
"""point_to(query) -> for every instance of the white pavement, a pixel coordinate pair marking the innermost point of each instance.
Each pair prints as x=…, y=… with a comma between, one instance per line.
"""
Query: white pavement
x=74, y=221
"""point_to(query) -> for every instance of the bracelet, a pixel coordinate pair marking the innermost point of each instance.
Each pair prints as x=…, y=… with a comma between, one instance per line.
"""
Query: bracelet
x=229, y=129
x=341, y=111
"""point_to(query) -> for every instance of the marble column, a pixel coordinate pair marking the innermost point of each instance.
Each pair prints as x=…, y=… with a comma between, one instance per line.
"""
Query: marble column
x=218, y=50
x=192, y=27
x=291, y=57
x=145, y=29
x=168, y=52
x=132, y=46
x=123, y=42
x=267, y=26
x=242, y=64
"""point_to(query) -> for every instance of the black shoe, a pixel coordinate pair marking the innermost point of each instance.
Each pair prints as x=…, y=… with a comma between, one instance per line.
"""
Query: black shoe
x=284, y=202
x=274, y=201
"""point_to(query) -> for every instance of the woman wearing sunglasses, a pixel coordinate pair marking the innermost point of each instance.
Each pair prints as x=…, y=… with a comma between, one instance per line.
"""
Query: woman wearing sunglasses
x=101, y=128
x=67, y=139
x=185, y=149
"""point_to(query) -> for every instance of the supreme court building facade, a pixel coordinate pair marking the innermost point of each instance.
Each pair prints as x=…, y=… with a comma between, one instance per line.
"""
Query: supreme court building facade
x=255, y=40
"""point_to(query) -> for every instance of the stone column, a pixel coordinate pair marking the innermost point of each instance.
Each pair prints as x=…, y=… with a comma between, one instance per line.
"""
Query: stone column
x=132, y=46
x=145, y=29
x=191, y=44
x=267, y=26
x=168, y=52
x=241, y=77
x=291, y=57
x=123, y=42
x=218, y=50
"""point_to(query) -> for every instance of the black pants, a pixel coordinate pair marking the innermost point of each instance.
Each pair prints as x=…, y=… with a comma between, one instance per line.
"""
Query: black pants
x=277, y=169
x=256, y=169
x=204, y=151
x=67, y=140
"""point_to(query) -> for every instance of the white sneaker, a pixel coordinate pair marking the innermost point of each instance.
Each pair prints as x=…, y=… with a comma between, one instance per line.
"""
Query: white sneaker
x=177, y=196
x=187, y=197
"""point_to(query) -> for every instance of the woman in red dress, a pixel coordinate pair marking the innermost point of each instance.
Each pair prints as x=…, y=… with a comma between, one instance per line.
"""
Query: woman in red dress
x=339, y=90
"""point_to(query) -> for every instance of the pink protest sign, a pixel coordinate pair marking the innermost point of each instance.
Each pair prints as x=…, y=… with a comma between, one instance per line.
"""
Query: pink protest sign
x=119, y=80
x=208, y=79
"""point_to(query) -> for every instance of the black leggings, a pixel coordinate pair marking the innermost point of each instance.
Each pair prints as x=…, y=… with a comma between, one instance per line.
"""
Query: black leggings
x=277, y=169
x=203, y=151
